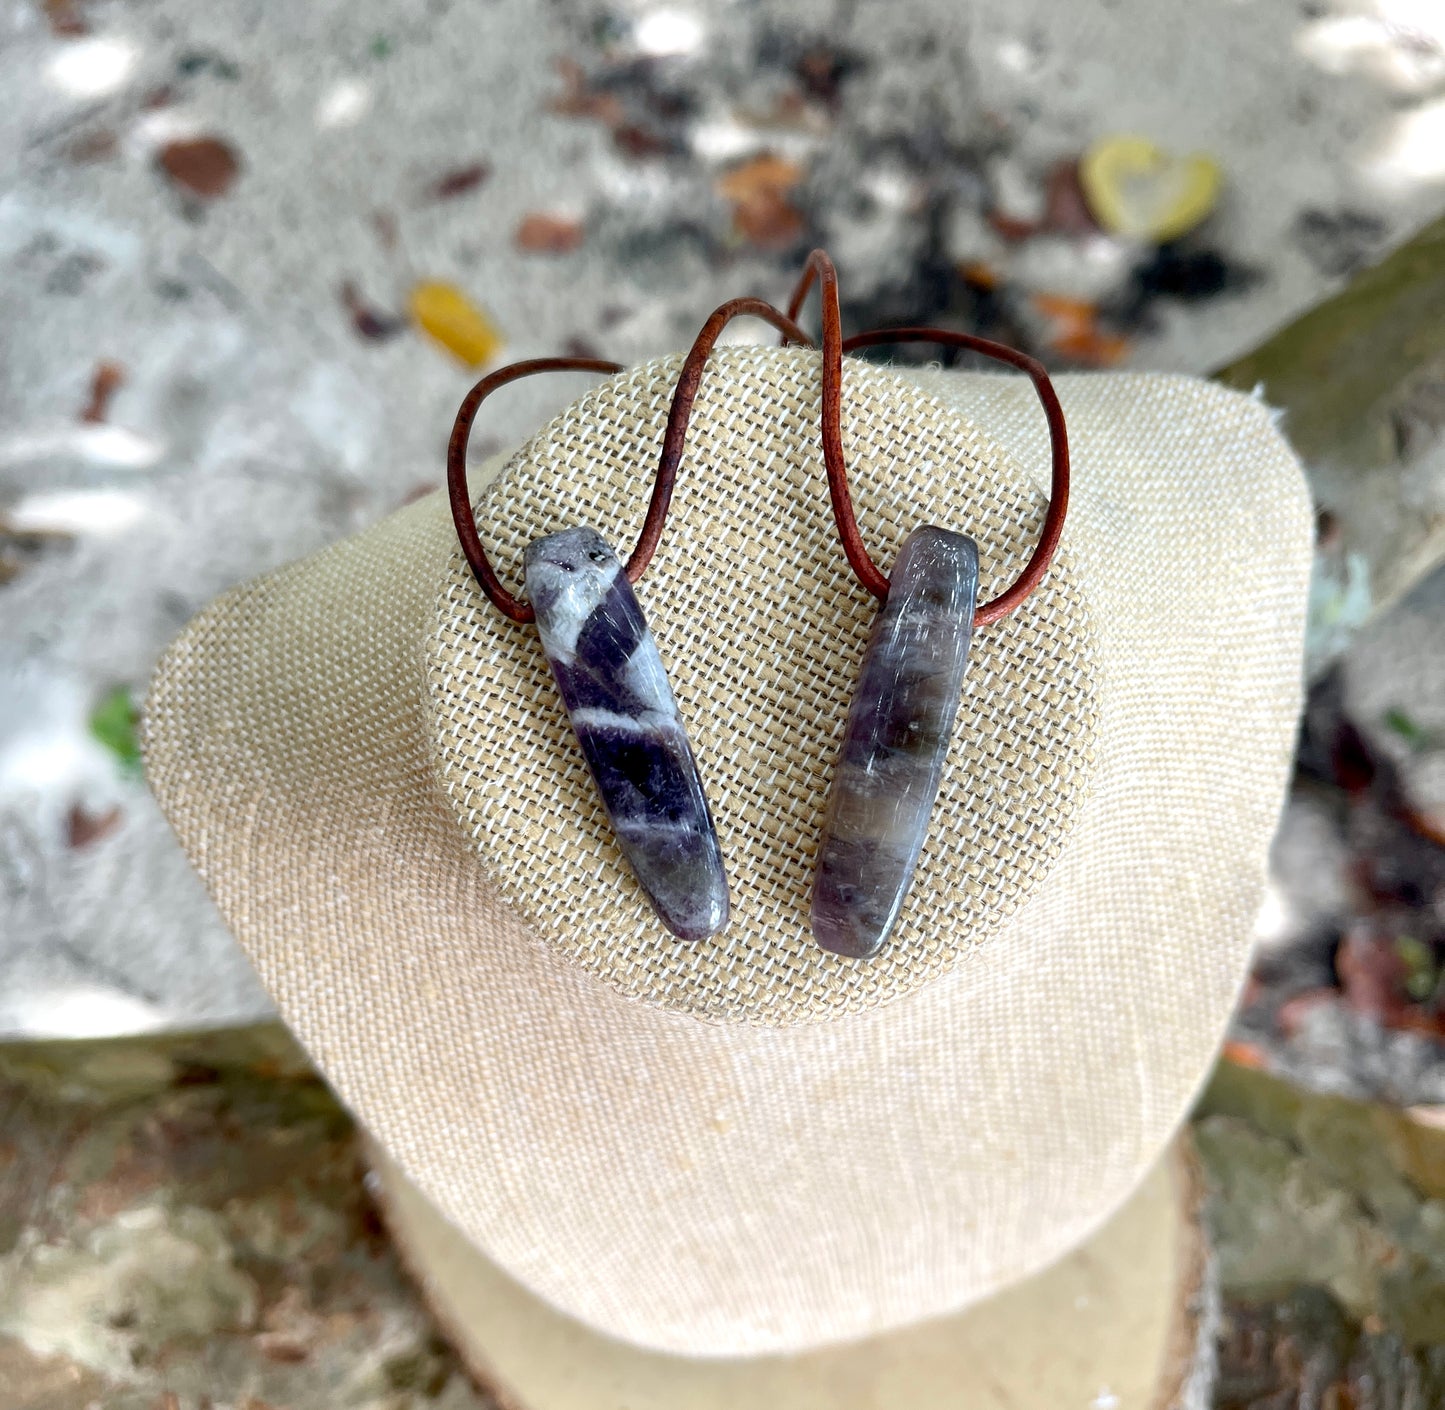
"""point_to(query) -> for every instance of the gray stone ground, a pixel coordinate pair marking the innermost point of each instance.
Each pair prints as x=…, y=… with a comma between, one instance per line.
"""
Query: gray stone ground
x=258, y=416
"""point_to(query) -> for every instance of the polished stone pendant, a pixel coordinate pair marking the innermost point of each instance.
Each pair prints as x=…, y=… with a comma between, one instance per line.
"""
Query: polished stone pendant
x=895, y=743
x=622, y=710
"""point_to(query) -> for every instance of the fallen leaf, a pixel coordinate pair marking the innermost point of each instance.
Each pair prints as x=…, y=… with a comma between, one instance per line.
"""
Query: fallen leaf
x=65, y=19
x=104, y=383
x=1092, y=348
x=759, y=191
x=1066, y=208
x=1137, y=190
x=1063, y=308
x=581, y=101
x=980, y=276
x=282, y=1347
x=459, y=182
x=203, y=166
x=83, y=828
x=1400, y=723
x=1011, y=227
x=113, y=722
x=541, y=233
x=1421, y=973
x=449, y=317
x=764, y=175
x=1075, y=333
x=632, y=139
x=821, y=72
x=368, y=323
x=1242, y=1054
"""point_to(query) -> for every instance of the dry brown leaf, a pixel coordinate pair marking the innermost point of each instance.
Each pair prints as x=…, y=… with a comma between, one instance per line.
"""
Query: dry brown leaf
x=579, y=101
x=370, y=324
x=82, y=827
x=541, y=233
x=632, y=139
x=201, y=166
x=459, y=181
x=1066, y=209
x=767, y=174
x=760, y=190
x=979, y=275
x=65, y=19
x=1011, y=227
x=1075, y=332
x=104, y=383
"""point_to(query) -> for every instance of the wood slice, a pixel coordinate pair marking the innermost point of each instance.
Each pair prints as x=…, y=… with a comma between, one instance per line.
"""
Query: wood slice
x=1126, y=1322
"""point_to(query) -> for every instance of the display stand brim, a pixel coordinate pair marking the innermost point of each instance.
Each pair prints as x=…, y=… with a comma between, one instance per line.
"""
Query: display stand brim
x=1124, y=1322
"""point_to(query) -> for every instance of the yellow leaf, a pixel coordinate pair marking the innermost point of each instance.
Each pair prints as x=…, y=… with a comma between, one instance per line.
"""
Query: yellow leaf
x=1135, y=189
x=448, y=316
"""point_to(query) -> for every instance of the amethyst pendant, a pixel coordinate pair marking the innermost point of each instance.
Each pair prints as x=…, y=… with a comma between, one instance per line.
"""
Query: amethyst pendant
x=895, y=743
x=622, y=710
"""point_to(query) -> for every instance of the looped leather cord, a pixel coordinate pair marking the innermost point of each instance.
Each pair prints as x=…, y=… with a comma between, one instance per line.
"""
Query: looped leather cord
x=673, y=443
x=820, y=268
x=462, y=516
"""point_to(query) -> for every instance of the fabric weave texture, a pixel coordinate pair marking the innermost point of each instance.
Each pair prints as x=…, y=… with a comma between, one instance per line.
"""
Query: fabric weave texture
x=763, y=629
x=761, y=1152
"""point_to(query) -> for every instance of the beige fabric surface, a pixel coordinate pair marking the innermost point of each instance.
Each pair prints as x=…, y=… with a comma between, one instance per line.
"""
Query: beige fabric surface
x=763, y=626
x=748, y=1187
x=1125, y=1321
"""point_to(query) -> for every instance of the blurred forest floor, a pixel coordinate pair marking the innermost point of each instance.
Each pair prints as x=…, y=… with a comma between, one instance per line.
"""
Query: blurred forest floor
x=188, y=1220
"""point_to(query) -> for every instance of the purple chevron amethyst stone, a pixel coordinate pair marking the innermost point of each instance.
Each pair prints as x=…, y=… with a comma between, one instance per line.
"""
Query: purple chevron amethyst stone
x=623, y=712
x=895, y=743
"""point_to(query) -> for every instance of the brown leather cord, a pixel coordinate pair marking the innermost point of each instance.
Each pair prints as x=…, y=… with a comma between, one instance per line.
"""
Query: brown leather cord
x=680, y=413
x=673, y=444
x=462, y=516
x=821, y=269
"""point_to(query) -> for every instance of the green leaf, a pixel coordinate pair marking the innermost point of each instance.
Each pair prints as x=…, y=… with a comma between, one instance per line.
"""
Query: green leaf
x=1421, y=973
x=113, y=722
x=1407, y=729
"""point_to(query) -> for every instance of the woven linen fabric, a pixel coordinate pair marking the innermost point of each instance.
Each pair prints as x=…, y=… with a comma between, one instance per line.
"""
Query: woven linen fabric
x=1134, y=1309
x=734, y=1188
x=763, y=628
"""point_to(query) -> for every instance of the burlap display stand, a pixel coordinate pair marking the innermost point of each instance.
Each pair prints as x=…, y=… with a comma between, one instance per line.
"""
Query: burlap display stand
x=749, y=1147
